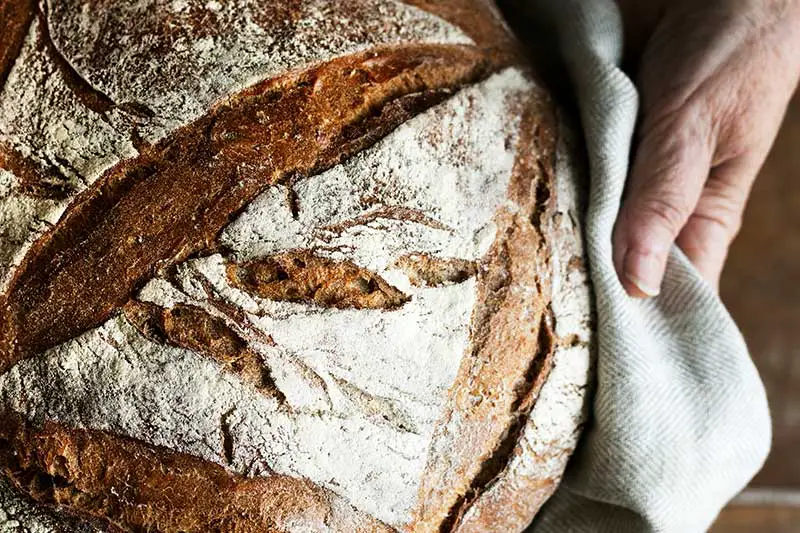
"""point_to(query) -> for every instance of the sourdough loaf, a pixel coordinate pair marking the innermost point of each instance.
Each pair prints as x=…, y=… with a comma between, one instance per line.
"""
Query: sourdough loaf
x=283, y=266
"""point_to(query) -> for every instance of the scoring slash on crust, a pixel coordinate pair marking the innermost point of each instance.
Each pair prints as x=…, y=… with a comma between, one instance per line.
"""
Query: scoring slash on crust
x=305, y=277
x=171, y=203
x=298, y=125
x=91, y=472
x=15, y=19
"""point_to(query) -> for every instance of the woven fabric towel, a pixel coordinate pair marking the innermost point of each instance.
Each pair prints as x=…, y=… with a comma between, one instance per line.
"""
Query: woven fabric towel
x=680, y=417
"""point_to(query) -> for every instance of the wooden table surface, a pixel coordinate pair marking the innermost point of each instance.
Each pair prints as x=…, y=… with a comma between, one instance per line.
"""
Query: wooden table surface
x=758, y=519
x=761, y=286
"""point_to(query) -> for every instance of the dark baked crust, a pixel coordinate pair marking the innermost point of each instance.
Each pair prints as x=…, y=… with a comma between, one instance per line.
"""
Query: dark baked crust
x=170, y=203
x=481, y=20
x=190, y=327
x=15, y=20
x=508, y=362
x=210, y=170
x=136, y=487
x=302, y=276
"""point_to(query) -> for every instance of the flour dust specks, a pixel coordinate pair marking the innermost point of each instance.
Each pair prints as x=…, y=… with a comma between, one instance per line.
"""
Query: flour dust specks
x=363, y=388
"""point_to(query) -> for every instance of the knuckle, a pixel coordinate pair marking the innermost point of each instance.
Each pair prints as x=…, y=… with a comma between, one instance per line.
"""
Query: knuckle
x=736, y=133
x=666, y=211
x=728, y=224
x=722, y=211
x=680, y=124
x=705, y=241
x=675, y=146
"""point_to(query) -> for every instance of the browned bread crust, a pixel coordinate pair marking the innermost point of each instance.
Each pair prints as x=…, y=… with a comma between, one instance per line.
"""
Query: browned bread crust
x=15, y=19
x=311, y=121
x=147, y=215
x=496, y=387
x=142, y=488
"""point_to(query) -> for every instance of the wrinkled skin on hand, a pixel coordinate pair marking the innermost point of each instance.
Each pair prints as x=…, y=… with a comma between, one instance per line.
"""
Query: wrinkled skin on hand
x=715, y=78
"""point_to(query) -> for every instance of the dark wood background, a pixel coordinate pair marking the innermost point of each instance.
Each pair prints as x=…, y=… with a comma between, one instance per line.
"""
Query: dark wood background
x=761, y=286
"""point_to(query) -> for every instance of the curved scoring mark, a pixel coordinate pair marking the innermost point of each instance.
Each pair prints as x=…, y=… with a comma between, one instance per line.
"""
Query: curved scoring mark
x=424, y=270
x=177, y=58
x=193, y=328
x=301, y=276
x=39, y=180
x=15, y=20
x=481, y=20
x=505, y=361
x=138, y=487
x=88, y=95
x=173, y=200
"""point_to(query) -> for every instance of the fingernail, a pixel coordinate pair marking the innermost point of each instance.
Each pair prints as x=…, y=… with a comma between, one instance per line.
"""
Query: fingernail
x=644, y=271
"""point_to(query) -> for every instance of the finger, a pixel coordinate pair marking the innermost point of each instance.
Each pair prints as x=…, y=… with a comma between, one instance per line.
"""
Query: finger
x=705, y=241
x=707, y=236
x=670, y=168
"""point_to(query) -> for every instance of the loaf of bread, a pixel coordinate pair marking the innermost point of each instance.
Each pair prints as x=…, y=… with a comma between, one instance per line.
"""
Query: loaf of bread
x=289, y=265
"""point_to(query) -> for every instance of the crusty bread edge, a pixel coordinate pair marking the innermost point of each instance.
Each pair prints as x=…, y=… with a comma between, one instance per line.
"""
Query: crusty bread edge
x=561, y=410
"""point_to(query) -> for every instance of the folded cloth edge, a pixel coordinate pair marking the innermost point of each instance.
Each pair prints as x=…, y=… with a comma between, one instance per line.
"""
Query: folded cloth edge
x=680, y=421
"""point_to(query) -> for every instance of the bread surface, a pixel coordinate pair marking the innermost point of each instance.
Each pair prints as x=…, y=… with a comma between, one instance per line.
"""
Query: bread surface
x=283, y=266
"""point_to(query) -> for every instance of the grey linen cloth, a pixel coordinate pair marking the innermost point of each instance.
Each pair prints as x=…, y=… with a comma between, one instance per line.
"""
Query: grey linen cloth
x=680, y=421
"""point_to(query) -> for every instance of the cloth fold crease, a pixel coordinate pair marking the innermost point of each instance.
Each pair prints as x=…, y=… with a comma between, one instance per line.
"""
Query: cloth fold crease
x=680, y=421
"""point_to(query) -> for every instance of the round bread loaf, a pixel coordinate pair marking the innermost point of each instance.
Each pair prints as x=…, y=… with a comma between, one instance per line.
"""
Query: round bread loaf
x=292, y=265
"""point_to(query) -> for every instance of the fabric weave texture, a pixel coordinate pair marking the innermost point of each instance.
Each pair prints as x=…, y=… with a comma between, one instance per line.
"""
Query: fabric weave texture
x=680, y=421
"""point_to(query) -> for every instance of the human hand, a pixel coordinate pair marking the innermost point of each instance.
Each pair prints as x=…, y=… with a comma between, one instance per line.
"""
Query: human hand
x=715, y=79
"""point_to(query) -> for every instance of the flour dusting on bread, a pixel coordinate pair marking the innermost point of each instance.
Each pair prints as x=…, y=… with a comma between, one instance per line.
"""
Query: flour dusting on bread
x=411, y=295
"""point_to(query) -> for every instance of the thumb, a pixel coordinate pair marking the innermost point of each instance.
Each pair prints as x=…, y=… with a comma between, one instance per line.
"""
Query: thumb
x=670, y=167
